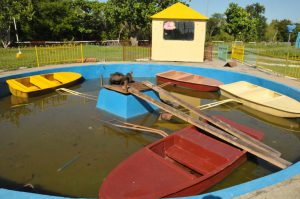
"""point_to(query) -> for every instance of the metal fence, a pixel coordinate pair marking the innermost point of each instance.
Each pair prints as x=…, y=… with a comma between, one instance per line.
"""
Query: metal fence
x=237, y=52
x=287, y=64
x=279, y=59
x=36, y=56
x=223, y=52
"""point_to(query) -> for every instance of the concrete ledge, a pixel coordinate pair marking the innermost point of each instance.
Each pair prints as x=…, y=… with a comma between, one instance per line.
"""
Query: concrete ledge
x=253, y=185
x=9, y=194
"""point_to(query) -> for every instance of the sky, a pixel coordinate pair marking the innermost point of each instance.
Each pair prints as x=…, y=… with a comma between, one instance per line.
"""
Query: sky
x=275, y=9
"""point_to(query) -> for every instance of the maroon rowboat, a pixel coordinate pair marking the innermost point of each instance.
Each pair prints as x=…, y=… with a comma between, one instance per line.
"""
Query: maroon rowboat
x=189, y=80
x=185, y=163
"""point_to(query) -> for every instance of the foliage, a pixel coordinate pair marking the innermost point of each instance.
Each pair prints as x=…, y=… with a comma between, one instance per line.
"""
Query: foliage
x=65, y=20
x=223, y=36
x=10, y=9
x=131, y=18
x=69, y=20
x=257, y=11
x=239, y=23
x=277, y=31
x=214, y=26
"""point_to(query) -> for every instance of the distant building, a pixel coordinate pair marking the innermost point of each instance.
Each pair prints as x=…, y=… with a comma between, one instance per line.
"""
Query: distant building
x=178, y=34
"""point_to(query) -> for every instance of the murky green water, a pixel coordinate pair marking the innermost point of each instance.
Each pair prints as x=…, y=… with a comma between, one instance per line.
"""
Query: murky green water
x=60, y=144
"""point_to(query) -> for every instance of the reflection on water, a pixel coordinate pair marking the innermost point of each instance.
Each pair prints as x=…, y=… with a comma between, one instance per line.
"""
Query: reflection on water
x=291, y=124
x=60, y=144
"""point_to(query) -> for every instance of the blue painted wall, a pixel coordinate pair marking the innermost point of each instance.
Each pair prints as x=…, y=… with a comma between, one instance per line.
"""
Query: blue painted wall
x=149, y=70
x=125, y=106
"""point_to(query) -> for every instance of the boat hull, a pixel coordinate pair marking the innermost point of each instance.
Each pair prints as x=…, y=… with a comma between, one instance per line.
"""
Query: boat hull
x=18, y=89
x=189, y=80
x=260, y=107
x=209, y=182
x=183, y=164
x=198, y=87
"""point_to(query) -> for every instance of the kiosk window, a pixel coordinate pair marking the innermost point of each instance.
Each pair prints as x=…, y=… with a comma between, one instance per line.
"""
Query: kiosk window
x=179, y=30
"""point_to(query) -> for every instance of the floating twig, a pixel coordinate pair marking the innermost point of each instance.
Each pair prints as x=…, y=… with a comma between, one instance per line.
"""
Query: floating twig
x=65, y=91
x=136, y=127
x=69, y=163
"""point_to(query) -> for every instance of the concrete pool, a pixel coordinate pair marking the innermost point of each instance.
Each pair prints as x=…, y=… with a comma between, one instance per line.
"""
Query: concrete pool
x=149, y=70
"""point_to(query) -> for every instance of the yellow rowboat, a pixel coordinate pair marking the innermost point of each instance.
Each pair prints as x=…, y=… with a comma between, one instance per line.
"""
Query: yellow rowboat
x=262, y=99
x=40, y=84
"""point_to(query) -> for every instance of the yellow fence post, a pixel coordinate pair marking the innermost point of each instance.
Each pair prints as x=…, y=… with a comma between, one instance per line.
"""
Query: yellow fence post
x=37, y=56
x=243, y=53
x=81, y=49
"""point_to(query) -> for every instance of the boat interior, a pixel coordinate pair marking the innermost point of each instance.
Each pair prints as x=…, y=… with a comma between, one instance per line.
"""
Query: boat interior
x=196, y=159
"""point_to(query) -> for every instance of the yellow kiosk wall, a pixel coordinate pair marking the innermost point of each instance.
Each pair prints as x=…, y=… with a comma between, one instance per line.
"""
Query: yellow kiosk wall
x=177, y=50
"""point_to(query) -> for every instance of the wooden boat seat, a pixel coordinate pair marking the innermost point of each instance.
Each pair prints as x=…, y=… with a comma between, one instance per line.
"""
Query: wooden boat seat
x=42, y=82
x=23, y=87
x=176, y=75
x=244, y=91
x=62, y=77
x=264, y=95
x=184, y=76
x=190, y=160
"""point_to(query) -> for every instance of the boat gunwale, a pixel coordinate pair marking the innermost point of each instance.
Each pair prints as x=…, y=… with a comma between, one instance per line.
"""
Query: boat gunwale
x=77, y=78
x=215, y=83
x=231, y=163
x=253, y=102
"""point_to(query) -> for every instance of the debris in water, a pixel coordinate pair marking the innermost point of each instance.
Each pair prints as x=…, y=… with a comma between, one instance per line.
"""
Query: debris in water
x=69, y=163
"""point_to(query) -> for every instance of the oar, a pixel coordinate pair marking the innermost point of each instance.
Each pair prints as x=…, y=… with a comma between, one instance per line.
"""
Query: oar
x=137, y=127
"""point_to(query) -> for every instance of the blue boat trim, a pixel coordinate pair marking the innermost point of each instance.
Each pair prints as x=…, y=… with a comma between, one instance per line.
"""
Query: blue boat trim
x=149, y=70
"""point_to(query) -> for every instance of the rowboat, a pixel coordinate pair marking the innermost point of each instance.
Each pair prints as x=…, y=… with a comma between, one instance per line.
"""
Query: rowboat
x=185, y=163
x=189, y=80
x=40, y=84
x=262, y=99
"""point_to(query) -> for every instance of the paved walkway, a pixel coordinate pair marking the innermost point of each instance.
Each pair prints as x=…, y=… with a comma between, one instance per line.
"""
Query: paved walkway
x=284, y=190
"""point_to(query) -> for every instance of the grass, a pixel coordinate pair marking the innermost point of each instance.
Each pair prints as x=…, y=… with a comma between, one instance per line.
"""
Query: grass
x=68, y=54
x=284, y=60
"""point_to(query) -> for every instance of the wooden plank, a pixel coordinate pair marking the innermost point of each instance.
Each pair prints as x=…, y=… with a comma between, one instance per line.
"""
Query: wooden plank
x=222, y=125
x=122, y=89
x=275, y=160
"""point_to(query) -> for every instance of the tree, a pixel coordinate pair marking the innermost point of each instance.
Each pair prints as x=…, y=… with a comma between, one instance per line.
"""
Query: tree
x=272, y=31
x=10, y=9
x=131, y=18
x=215, y=24
x=52, y=20
x=239, y=24
x=88, y=19
x=257, y=11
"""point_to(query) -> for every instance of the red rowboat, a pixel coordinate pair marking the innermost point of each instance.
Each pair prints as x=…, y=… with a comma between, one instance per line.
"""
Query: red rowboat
x=189, y=80
x=185, y=163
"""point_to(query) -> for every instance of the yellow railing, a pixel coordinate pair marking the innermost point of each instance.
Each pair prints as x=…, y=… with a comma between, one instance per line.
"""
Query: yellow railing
x=238, y=52
x=70, y=53
x=288, y=65
x=59, y=54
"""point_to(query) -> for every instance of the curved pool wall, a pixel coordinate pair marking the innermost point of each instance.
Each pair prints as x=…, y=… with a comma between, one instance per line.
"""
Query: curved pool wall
x=149, y=70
